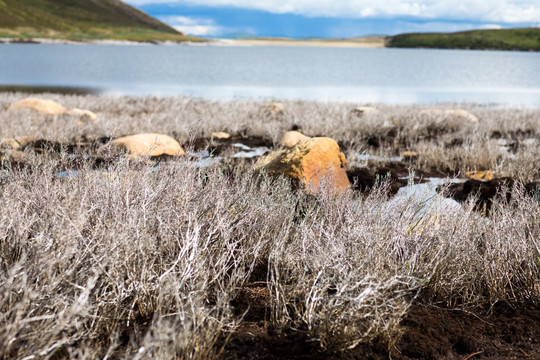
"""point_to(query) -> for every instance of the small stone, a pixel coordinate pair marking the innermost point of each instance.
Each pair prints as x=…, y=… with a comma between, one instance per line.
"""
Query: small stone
x=447, y=113
x=45, y=106
x=409, y=155
x=15, y=156
x=10, y=143
x=486, y=175
x=364, y=110
x=276, y=107
x=17, y=143
x=220, y=135
x=82, y=114
x=310, y=162
x=291, y=138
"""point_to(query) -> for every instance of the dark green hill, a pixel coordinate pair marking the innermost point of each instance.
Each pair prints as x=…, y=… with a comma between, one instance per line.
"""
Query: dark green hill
x=504, y=39
x=81, y=20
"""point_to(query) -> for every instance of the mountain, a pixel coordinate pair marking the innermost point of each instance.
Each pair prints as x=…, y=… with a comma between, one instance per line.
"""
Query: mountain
x=504, y=39
x=81, y=20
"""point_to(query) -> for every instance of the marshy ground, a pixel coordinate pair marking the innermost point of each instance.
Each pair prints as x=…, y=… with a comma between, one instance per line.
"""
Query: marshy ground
x=200, y=257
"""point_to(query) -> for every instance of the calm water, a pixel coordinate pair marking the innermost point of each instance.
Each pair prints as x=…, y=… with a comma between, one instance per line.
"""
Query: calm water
x=395, y=76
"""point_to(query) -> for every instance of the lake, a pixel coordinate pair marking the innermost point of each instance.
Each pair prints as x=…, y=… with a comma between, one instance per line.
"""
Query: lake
x=391, y=76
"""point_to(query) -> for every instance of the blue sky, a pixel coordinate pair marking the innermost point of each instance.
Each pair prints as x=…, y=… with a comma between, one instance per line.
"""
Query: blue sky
x=338, y=18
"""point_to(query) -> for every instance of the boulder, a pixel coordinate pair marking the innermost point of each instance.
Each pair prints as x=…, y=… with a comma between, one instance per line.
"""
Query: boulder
x=144, y=145
x=291, y=138
x=220, y=135
x=45, y=106
x=364, y=110
x=486, y=175
x=310, y=162
x=446, y=113
x=82, y=113
x=423, y=205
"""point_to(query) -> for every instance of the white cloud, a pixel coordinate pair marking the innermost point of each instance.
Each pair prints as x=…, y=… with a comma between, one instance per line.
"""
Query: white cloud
x=496, y=11
x=193, y=26
x=490, y=26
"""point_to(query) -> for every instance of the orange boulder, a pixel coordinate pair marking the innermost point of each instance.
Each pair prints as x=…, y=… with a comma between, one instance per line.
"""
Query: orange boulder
x=311, y=162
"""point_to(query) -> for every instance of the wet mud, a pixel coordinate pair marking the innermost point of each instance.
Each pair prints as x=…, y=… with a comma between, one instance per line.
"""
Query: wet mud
x=428, y=332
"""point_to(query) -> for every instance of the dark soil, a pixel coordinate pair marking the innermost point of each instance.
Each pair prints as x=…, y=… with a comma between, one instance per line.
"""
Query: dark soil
x=217, y=147
x=427, y=333
x=487, y=191
x=84, y=149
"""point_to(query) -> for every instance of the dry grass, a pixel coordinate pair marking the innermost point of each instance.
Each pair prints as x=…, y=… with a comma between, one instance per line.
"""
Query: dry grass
x=145, y=262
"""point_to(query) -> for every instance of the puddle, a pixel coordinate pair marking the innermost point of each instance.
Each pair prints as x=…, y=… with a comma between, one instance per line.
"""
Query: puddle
x=250, y=152
x=199, y=154
x=76, y=156
x=206, y=162
x=241, y=146
x=67, y=174
x=204, y=159
x=367, y=157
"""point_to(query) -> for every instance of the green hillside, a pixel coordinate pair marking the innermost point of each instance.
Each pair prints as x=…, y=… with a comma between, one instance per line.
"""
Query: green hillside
x=504, y=39
x=81, y=20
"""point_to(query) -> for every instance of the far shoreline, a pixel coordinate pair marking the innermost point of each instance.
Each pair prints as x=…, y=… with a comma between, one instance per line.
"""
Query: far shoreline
x=367, y=42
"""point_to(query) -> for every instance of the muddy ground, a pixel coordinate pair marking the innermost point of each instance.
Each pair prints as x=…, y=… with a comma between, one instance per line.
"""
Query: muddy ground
x=363, y=178
x=428, y=332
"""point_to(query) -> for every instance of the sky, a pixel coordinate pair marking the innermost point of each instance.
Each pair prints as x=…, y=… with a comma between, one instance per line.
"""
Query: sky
x=337, y=18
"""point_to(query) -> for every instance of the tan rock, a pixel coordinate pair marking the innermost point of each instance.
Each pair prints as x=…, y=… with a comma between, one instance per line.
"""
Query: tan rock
x=446, y=113
x=409, y=155
x=275, y=107
x=480, y=175
x=15, y=156
x=144, y=145
x=82, y=114
x=220, y=135
x=45, y=106
x=291, y=138
x=19, y=142
x=10, y=143
x=310, y=162
x=364, y=110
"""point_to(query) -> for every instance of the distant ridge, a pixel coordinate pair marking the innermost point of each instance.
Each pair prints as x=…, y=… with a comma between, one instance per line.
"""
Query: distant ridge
x=525, y=39
x=81, y=20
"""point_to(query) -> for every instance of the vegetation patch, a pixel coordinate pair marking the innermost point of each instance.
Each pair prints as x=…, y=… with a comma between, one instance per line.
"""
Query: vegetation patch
x=81, y=20
x=504, y=39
